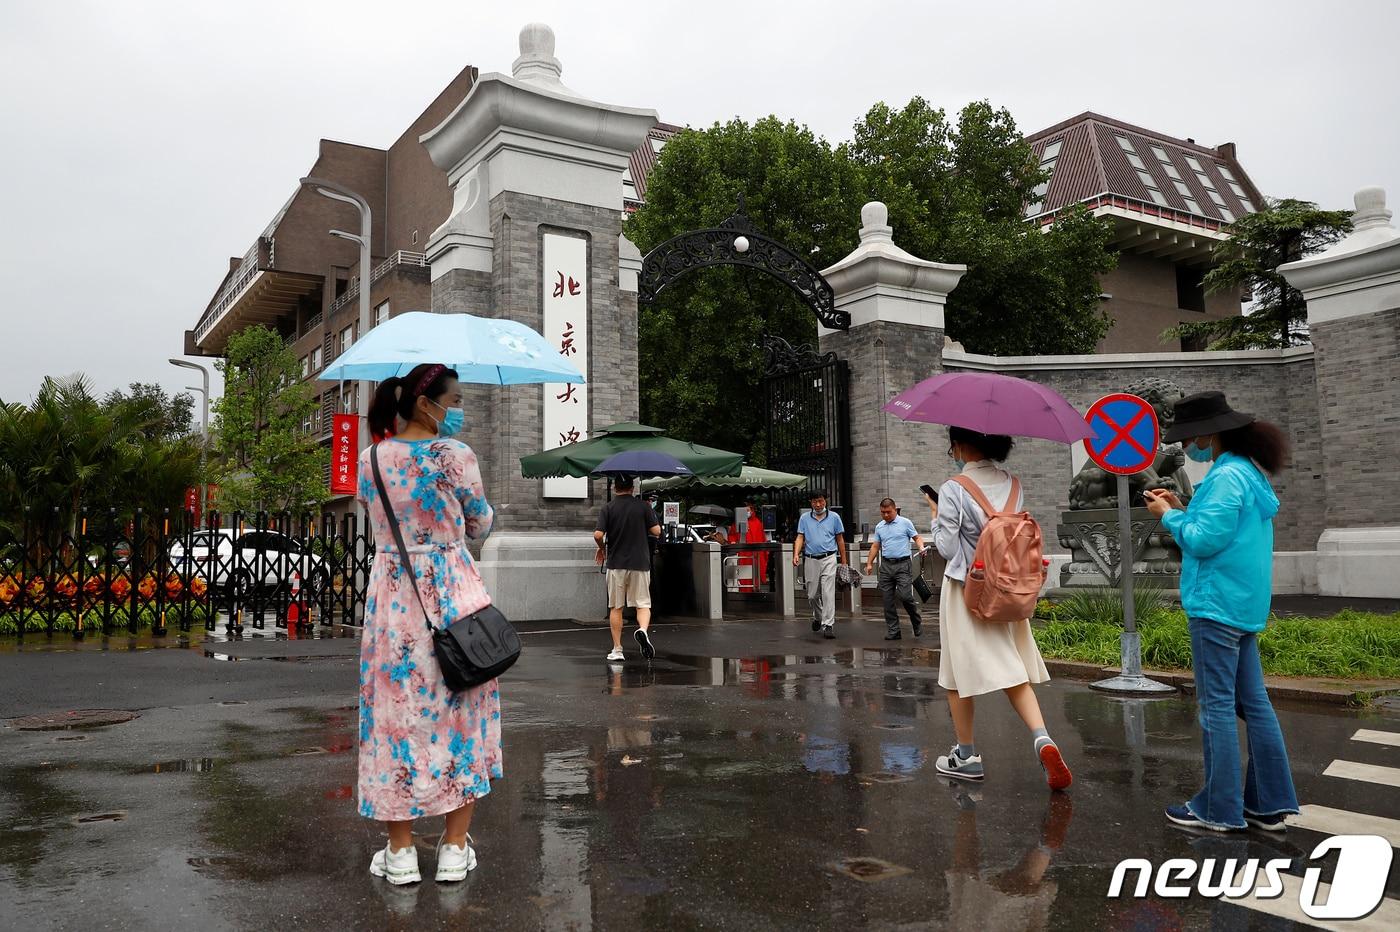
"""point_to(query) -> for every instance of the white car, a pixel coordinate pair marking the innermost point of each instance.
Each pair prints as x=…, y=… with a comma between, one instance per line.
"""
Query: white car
x=244, y=561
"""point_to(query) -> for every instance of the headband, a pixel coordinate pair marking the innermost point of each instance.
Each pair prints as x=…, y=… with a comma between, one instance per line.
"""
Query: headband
x=433, y=372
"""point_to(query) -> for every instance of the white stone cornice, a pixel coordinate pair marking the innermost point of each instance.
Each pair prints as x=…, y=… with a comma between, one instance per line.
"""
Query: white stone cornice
x=1357, y=275
x=879, y=281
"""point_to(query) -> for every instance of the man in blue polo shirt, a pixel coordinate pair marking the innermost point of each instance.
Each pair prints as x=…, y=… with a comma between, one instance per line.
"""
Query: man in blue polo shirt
x=891, y=542
x=821, y=542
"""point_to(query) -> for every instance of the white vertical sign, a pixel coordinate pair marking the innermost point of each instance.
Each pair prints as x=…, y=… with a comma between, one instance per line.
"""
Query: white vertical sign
x=564, y=267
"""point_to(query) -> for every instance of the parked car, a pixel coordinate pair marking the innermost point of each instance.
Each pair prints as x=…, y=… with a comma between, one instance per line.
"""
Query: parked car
x=245, y=561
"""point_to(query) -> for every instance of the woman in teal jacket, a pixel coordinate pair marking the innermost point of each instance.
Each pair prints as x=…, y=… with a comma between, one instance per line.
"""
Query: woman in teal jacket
x=1227, y=546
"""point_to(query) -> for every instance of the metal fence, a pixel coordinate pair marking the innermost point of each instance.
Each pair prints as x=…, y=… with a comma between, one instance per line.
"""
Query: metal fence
x=100, y=574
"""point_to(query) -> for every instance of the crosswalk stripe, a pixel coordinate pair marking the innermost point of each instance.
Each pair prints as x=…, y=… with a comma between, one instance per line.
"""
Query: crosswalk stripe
x=1371, y=773
x=1386, y=916
x=1343, y=822
x=1390, y=738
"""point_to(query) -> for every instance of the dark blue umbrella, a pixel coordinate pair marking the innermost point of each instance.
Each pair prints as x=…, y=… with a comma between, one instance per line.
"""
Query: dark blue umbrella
x=641, y=463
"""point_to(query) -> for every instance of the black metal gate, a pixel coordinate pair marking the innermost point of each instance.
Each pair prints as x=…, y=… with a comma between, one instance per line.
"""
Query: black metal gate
x=809, y=425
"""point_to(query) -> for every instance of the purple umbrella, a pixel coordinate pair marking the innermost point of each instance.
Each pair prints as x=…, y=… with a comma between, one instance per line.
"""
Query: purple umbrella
x=991, y=404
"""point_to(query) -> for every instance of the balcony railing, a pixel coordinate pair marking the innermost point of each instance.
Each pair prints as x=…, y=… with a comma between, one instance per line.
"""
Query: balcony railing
x=258, y=257
x=400, y=258
x=1145, y=208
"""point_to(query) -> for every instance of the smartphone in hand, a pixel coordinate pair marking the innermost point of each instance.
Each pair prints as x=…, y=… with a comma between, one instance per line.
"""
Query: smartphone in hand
x=929, y=491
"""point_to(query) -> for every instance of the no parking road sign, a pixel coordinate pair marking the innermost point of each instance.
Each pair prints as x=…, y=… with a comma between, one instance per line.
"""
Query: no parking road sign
x=1125, y=434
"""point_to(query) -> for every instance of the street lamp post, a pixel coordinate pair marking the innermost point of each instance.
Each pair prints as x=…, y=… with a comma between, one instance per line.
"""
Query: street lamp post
x=338, y=192
x=204, y=429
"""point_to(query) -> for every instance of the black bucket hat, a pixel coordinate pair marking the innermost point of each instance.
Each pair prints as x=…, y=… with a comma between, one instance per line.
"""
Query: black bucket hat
x=1202, y=414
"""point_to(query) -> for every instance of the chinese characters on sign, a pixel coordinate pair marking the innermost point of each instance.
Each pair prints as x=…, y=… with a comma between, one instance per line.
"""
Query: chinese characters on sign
x=564, y=267
x=345, y=454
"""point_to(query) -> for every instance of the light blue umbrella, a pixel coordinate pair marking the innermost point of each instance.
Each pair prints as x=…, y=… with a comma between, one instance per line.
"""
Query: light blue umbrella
x=483, y=350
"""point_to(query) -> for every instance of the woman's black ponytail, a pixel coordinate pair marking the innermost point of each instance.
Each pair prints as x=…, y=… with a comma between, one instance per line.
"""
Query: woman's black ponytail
x=384, y=409
x=394, y=398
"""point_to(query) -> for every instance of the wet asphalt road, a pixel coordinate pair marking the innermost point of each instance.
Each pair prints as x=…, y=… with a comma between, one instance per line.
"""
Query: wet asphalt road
x=753, y=777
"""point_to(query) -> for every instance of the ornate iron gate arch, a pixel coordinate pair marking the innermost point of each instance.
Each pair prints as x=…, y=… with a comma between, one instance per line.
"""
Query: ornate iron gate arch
x=737, y=242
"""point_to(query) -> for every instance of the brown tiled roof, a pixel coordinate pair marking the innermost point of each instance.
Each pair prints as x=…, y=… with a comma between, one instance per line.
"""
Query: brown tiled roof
x=1091, y=162
x=643, y=160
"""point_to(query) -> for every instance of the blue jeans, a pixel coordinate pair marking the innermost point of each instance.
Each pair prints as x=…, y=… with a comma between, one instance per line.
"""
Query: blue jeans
x=1230, y=684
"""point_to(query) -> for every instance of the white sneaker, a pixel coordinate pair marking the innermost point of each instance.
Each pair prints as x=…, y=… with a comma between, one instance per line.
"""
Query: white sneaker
x=617, y=655
x=397, y=867
x=454, y=862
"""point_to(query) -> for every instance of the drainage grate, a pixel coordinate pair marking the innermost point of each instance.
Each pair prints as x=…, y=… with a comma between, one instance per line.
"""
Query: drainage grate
x=117, y=815
x=306, y=752
x=895, y=726
x=77, y=718
x=869, y=870
x=234, y=702
x=70, y=738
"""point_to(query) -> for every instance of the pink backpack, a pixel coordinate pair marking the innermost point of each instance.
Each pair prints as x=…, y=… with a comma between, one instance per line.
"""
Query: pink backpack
x=1009, y=565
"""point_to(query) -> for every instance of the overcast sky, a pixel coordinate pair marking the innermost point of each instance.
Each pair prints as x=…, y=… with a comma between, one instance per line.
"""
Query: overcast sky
x=143, y=143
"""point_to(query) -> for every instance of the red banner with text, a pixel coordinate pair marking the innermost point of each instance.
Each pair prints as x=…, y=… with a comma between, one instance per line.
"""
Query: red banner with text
x=345, y=454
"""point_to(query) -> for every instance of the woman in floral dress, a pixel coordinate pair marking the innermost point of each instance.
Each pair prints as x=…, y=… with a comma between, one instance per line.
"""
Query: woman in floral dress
x=424, y=751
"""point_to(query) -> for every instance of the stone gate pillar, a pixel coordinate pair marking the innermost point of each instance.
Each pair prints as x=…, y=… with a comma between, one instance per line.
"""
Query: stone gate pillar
x=1353, y=295
x=896, y=304
x=535, y=235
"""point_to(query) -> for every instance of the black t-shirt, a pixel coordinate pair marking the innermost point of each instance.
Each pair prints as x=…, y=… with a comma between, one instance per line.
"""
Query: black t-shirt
x=626, y=522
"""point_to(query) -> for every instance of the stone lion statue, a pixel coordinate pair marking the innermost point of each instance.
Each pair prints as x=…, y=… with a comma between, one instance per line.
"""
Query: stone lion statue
x=1092, y=487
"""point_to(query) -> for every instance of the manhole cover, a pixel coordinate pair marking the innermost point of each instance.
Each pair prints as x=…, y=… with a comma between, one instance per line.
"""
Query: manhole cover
x=118, y=815
x=869, y=870
x=77, y=718
x=883, y=776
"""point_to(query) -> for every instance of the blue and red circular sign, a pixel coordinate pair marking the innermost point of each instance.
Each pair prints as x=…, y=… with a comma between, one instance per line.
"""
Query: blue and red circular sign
x=1125, y=434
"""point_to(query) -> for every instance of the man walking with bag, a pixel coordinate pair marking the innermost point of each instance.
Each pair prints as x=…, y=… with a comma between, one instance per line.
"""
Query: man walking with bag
x=821, y=540
x=892, y=536
x=624, y=526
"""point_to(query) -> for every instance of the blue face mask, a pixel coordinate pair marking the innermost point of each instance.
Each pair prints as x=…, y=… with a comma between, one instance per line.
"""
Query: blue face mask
x=1198, y=454
x=452, y=420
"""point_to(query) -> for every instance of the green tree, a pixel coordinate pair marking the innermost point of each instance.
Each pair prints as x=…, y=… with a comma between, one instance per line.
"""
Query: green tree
x=66, y=452
x=701, y=341
x=166, y=418
x=1286, y=230
x=266, y=459
x=957, y=193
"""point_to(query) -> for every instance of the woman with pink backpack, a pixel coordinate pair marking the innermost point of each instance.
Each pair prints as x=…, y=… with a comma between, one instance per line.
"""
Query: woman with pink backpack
x=988, y=595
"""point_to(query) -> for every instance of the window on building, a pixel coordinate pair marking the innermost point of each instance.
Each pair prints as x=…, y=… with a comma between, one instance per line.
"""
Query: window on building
x=381, y=313
x=1226, y=172
x=347, y=399
x=1215, y=196
x=306, y=424
x=1135, y=161
x=316, y=359
x=657, y=145
x=1161, y=155
x=1225, y=213
x=1195, y=164
x=1238, y=191
x=1195, y=208
x=1182, y=189
x=1190, y=289
x=415, y=238
x=629, y=186
x=1048, y=157
x=305, y=367
x=1196, y=344
x=1124, y=143
x=347, y=338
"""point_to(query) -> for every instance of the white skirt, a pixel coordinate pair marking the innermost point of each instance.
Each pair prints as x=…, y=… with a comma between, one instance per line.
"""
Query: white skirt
x=977, y=657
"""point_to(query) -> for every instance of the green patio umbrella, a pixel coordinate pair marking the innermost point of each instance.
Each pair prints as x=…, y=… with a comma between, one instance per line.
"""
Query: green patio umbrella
x=749, y=477
x=580, y=459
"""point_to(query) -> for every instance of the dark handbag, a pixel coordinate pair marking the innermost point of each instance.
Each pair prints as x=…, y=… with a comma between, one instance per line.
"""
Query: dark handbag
x=470, y=650
x=922, y=587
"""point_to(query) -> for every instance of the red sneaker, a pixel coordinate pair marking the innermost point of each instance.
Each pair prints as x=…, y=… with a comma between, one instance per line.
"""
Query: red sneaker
x=1057, y=774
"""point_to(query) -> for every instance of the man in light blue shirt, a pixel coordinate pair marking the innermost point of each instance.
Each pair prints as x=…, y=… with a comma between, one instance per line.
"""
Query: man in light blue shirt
x=891, y=542
x=821, y=540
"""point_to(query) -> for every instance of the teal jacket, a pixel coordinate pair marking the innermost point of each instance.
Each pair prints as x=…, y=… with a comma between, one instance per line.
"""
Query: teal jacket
x=1226, y=536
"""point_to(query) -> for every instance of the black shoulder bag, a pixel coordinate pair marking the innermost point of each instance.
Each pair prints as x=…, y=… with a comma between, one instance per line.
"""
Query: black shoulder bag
x=470, y=650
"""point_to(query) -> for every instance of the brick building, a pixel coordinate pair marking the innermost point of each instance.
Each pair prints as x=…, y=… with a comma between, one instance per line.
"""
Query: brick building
x=304, y=283
x=1170, y=201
